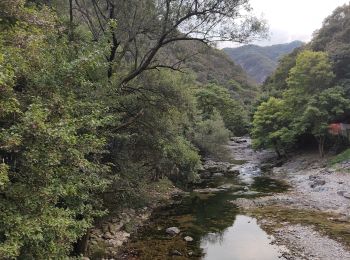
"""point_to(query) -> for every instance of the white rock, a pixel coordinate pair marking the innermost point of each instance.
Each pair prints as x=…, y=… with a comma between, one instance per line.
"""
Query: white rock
x=188, y=239
x=172, y=231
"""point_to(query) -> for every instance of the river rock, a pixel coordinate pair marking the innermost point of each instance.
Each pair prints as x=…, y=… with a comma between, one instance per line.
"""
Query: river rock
x=267, y=166
x=243, y=203
x=205, y=175
x=246, y=193
x=317, y=182
x=278, y=170
x=341, y=192
x=208, y=190
x=320, y=189
x=176, y=252
x=346, y=195
x=218, y=174
x=228, y=186
x=238, y=140
x=213, y=167
x=313, y=177
x=172, y=231
x=108, y=235
x=188, y=239
x=234, y=170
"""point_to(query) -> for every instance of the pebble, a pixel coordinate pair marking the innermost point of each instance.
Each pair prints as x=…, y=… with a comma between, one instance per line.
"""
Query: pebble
x=172, y=231
x=188, y=239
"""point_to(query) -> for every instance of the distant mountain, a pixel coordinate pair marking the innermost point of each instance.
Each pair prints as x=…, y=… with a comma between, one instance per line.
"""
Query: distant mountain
x=210, y=65
x=260, y=62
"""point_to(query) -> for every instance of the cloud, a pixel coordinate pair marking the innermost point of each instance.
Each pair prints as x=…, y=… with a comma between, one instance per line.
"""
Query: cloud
x=292, y=20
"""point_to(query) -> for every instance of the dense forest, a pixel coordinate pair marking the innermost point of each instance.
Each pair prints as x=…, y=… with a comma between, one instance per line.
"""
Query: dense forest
x=102, y=99
x=99, y=99
x=260, y=61
x=309, y=91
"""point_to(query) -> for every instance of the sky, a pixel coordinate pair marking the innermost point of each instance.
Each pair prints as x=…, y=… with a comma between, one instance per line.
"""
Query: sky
x=291, y=20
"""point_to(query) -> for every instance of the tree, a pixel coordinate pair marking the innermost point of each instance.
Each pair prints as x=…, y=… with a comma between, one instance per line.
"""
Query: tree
x=51, y=170
x=313, y=72
x=211, y=135
x=333, y=39
x=140, y=30
x=271, y=126
x=308, y=106
x=277, y=82
x=213, y=97
x=323, y=109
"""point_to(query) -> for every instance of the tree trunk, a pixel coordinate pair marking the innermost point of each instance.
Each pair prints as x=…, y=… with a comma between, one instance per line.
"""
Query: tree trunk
x=71, y=26
x=81, y=245
x=321, y=141
x=278, y=152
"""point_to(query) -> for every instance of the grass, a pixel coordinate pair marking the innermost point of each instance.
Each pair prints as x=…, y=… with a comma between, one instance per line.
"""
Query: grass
x=344, y=156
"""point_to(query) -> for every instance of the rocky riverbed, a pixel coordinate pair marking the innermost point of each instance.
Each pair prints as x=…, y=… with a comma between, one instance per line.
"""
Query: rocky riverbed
x=313, y=218
x=297, y=209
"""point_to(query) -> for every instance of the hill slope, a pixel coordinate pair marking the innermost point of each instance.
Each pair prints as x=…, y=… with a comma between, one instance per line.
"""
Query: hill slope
x=260, y=62
x=211, y=65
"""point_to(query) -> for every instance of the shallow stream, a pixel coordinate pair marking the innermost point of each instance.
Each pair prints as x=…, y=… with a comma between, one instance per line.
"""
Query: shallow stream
x=218, y=228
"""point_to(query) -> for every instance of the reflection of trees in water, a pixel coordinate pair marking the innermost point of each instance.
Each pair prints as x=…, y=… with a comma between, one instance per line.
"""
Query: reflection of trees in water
x=268, y=184
x=213, y=238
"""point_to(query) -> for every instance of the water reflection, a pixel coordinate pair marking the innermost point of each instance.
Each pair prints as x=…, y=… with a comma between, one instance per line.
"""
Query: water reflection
x=244, y=240
x=218, y=229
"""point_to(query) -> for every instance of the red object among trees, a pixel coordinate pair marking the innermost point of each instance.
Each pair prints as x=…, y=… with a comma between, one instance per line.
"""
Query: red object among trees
x=339, y=129
x=334, y=129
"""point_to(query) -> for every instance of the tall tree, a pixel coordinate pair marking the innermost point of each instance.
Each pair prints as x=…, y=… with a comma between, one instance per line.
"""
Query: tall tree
x=140, y=30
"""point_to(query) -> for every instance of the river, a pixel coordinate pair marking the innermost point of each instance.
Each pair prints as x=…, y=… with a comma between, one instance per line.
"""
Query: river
x=207, y=215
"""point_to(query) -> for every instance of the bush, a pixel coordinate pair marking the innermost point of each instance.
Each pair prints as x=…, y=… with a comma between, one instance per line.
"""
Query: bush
x=342, y=157
x=211, y=136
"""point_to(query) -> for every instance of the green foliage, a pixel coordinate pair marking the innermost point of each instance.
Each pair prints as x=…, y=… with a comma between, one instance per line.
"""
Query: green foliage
x=75, y=142
x=333, y=38
x=312, y=72
x=325, y=108
x=271, y=126
x=4, y=178
x=214, y=97
x=260, y=62
x=342, y=157
x=308, y=105
x=211, y=135
x=277, y=83
x=52, y=170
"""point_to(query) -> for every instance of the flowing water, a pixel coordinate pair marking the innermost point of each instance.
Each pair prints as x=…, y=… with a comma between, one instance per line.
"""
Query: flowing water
x=218, y=228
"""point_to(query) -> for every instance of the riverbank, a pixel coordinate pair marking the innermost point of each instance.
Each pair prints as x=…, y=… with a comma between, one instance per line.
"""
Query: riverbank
x=312, y=219
x=298, y=208
x=110, y=234
x=207, y=225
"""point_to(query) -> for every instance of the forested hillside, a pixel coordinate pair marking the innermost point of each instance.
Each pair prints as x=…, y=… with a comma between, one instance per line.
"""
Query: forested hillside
x=260, y=62
x=99, y=100
x=309, y=91
x=211, y=65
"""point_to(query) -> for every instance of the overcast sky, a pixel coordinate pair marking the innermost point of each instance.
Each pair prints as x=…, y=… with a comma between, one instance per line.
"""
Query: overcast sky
x=291, y=20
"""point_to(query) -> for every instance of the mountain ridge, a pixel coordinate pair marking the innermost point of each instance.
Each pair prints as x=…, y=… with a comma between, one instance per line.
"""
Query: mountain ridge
x=260, y=61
